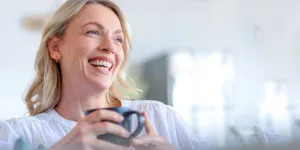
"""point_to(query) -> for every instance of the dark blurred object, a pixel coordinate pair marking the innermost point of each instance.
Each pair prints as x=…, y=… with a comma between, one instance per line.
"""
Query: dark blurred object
x=126, y=123
x=156, y=72
x=297, y=122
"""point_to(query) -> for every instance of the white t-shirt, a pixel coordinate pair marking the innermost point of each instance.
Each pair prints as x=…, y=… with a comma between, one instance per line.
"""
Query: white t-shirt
x=49, y=127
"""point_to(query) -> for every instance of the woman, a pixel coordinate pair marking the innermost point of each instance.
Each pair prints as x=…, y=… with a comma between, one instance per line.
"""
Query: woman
x=79, y=66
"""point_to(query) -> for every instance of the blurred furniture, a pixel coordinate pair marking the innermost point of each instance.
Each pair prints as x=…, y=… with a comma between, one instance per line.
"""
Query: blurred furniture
x=156, y=73
x=248, y=136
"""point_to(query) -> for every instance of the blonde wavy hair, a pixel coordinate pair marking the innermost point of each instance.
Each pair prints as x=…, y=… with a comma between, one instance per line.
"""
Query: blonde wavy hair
x=45, y=91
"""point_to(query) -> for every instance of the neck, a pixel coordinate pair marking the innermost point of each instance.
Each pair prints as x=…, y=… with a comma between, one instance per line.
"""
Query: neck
x=74, y=101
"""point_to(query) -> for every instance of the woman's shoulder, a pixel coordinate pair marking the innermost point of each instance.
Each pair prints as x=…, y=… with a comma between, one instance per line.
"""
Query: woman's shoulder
x=158, y=112
x=15, y=128
x=167, y=122
x=142, y=103
x=21, y=125
x=27, y=121
x=148, y=105
x=32, y=128
x=17, y=123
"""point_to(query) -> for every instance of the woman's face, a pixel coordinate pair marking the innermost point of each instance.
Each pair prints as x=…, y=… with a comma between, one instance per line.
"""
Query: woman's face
x=91, y=48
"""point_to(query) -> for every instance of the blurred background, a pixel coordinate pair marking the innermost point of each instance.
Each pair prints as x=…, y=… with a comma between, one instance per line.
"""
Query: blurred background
x=230, y=67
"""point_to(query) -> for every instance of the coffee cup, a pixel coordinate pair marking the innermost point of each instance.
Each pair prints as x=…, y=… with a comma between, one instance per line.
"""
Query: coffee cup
x=126, y=123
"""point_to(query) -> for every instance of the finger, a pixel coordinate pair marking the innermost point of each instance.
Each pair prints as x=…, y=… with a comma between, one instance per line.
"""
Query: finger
x=104, y=145
x=104, y=115
x=146, y=140
x=109, y=127
x=148, y=125
x=155, y=147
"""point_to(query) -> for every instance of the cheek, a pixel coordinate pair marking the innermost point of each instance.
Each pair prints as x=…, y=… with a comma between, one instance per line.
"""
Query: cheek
x=120, y=58
x=84, y=47
x=76, y=52
x=80, y=49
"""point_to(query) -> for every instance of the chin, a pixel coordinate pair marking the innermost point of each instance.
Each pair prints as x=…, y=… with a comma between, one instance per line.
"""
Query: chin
x=99, y=80
x=100, y=84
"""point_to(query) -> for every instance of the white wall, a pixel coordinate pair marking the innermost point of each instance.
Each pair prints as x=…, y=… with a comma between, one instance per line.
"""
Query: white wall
x=17, y=48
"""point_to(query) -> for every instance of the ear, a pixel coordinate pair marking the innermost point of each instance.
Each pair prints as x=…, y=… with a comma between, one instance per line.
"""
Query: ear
x=53, y=48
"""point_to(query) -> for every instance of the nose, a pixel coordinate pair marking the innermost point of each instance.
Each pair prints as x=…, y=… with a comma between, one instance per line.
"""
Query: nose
x=107, y=45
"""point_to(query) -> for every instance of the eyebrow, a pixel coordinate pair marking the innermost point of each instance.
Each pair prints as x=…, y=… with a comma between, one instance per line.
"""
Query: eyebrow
x=100, y=26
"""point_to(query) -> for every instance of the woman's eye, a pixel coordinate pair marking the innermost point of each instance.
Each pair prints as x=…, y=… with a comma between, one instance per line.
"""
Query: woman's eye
x=119, y=40
x=93, y=32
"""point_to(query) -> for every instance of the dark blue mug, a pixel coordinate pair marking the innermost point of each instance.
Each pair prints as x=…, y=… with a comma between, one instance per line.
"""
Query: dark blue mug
x=126, y=123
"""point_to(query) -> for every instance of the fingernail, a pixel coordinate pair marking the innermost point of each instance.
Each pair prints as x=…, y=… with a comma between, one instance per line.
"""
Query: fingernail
x=136, y=141
x=126, y=134
x=121, y=118
x=133, y=141
x=144, y=113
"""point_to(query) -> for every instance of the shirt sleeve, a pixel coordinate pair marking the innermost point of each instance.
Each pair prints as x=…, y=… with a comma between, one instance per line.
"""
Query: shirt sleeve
x=169, y=124
x=8, y=135
x=182, y=132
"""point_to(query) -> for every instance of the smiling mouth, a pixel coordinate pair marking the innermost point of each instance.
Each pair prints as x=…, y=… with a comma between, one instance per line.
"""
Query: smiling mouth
x=103, y=65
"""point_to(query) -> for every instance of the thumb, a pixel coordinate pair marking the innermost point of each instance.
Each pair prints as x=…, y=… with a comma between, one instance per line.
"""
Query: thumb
x=148, y=125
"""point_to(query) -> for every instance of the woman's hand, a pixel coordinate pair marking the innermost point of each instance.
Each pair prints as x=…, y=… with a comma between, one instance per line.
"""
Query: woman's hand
x=151, y=141
x=84, y=135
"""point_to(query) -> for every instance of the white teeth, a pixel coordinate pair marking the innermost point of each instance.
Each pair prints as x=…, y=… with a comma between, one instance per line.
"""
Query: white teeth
x=101, y=63
x=104, y=69
x=98, y=63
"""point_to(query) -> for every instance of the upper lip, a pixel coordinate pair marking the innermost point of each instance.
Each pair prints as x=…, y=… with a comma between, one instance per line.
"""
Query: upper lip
x=102, y=58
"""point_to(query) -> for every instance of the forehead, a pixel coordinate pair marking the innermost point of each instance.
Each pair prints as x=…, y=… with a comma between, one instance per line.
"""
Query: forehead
x=97, y=13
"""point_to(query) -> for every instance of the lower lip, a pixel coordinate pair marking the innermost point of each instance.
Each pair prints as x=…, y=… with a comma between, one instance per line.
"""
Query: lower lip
x=101, y=70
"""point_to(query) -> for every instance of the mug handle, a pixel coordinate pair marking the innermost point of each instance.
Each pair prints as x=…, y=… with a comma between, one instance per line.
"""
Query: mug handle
x=141, y=122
